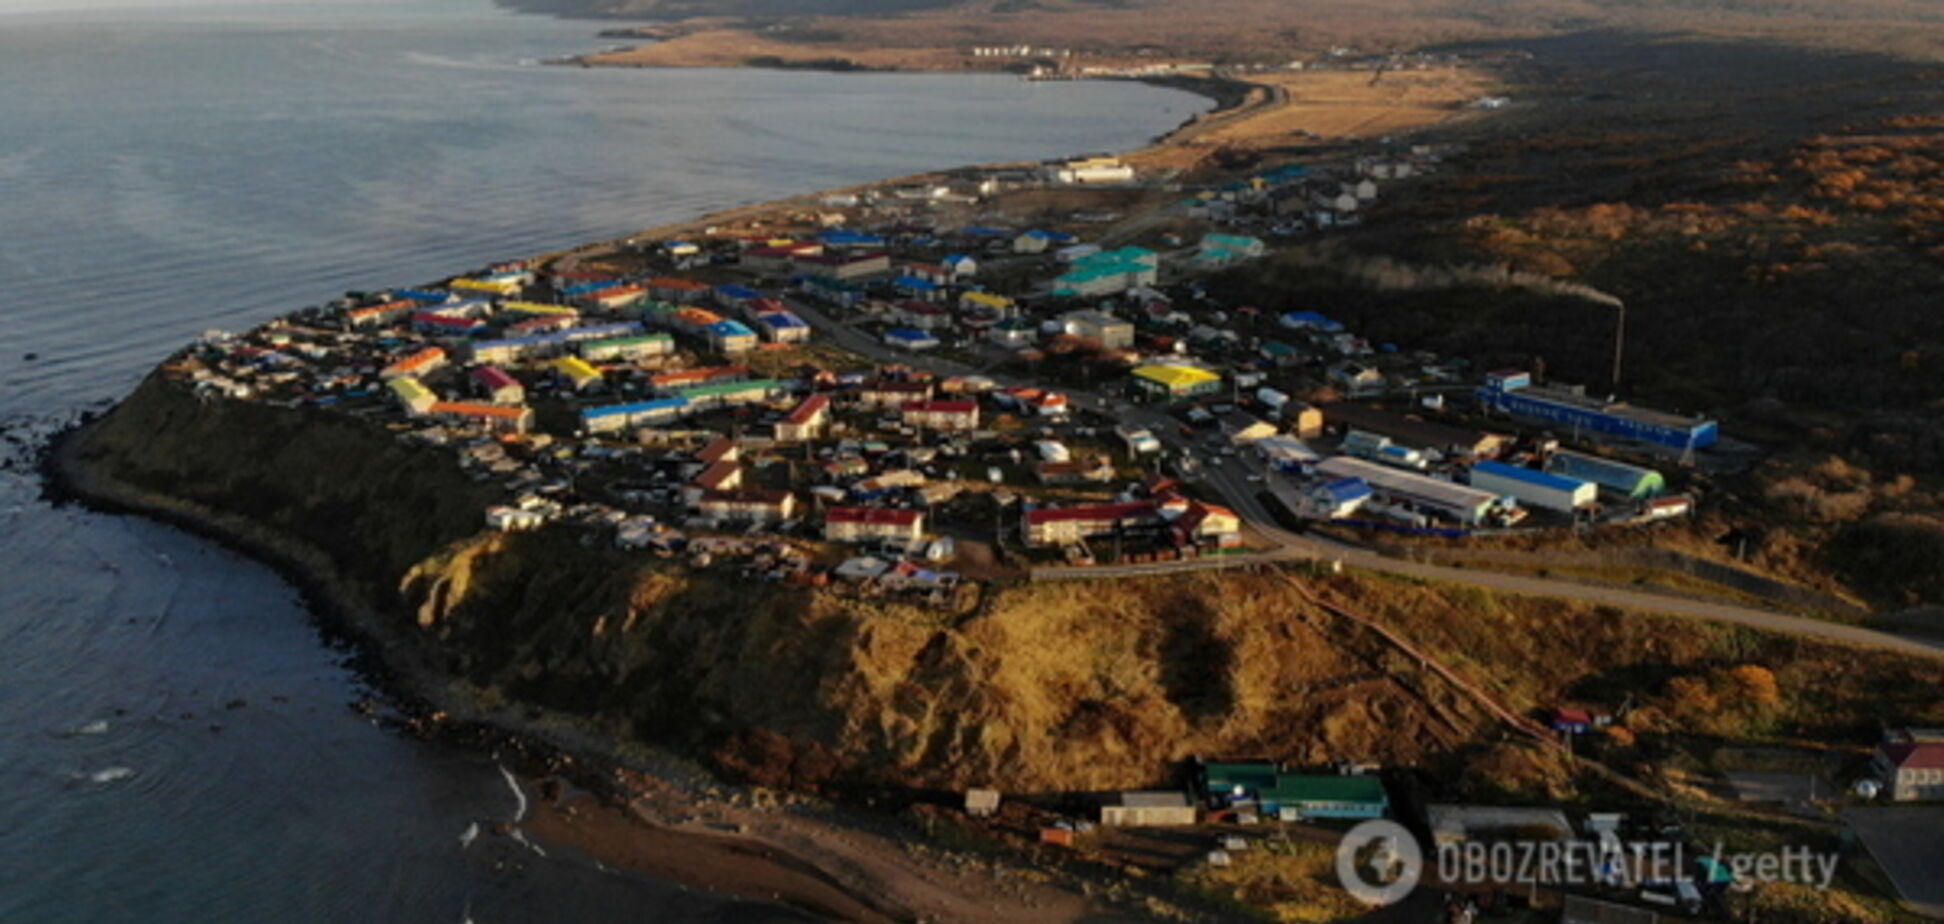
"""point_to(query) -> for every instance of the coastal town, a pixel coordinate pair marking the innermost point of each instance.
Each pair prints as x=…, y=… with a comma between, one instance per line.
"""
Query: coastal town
x=916, y=392
x=926, y=394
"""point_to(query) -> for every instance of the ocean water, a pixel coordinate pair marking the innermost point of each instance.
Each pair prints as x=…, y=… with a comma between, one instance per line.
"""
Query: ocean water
x=175, y=742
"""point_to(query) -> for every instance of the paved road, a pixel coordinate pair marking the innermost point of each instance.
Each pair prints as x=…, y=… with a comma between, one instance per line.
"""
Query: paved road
x=1229, y=477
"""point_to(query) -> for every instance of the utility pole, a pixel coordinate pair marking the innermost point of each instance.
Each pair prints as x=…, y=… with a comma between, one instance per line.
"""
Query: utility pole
x=1619, y=340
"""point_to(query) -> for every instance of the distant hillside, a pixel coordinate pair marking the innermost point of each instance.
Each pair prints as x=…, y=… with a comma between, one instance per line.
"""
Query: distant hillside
x=1274, y=29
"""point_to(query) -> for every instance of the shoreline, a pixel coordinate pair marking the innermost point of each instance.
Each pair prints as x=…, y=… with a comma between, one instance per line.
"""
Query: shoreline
x=605, y=799
x=428, y=703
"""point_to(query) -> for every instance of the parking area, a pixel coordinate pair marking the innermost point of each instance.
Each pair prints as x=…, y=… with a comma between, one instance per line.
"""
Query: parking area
x=1908, y=842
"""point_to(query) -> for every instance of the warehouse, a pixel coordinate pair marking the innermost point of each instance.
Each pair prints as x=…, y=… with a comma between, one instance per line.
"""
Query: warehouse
x=640, y=413
x=1467, y=505
x=1512, y=392
x=1630, y=481
x=1414, y=432
x=1148, y=809
x=1533, y=488
x=1173, y=382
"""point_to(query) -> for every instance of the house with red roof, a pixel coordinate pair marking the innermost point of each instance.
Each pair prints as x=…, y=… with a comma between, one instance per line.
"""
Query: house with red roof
x=806, y=421
x=942, y=415
x=1910, y=761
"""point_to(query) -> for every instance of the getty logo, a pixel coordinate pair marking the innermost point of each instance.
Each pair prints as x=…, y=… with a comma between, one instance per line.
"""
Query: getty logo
x=1379, y=862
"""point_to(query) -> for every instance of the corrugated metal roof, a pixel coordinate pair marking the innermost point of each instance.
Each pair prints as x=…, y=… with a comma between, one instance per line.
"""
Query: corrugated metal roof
x=1529, y=476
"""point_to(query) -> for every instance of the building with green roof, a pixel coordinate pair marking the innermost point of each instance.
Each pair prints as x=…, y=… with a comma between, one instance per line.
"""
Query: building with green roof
x=1271, y=793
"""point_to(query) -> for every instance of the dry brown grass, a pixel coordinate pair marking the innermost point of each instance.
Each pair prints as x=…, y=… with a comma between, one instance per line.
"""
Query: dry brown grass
x=1355, y=104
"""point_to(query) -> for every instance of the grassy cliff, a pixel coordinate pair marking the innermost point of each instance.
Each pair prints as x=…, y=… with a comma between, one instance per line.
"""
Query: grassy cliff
x=1082, y=685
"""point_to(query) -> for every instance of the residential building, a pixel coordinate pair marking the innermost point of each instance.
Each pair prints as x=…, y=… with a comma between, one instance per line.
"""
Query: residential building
x=782, y=327
x=413, y=395
x=382, y=314
x=892, y=393
x=494, y=417
x=997, y=304
x=806, y=421
x=844, y=267
x=497, y=386
x=1910, y=761
x=627, y=348
x=921, y=315
x=1110, y=332
x=1014, y=332
x=942, y=415
x=1090, y=171
x=717, y=394
x=1224, y=249
x=866, y=524
x=748, y=505
x=578, y=372
x=731, y=337
x=1095, y=470
x=416, y=363
x=634, y=414
x=676, y=289
x=910, y=339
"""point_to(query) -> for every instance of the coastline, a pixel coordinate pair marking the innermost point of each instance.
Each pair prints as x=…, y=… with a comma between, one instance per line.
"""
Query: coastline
x=624, y=805
x=646, y=793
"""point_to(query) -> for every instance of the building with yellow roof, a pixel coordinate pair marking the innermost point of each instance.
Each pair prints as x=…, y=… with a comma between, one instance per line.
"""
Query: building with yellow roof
x=577, y=371
x=1169, y=381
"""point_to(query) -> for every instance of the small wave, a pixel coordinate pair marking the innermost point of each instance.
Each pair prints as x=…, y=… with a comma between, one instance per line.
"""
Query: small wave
x=520, y=836
x=469, y=835
x=519, y=811
x=96, y=727
x=104, y=775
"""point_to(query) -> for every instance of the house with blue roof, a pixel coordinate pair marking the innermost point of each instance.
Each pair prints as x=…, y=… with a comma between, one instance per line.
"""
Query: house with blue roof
x=846, y=239
x=731, y=337
x=914, y=287
x=634, y=414
x=734, y=297
x=1309, y=320
x=910, y=338
x=960, y=266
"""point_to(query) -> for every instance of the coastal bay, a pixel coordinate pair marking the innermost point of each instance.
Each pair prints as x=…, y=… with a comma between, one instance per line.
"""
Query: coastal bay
x=279, y=158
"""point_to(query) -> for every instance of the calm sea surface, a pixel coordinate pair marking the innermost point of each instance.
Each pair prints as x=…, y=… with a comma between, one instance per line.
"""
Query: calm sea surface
x=174, y=738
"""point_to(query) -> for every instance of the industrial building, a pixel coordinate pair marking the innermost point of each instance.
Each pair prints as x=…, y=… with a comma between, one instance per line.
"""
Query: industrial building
x=1466, y=505
x=1533, y=488
x=1629, y=481
x=1512, y=392
x=1413, y=432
